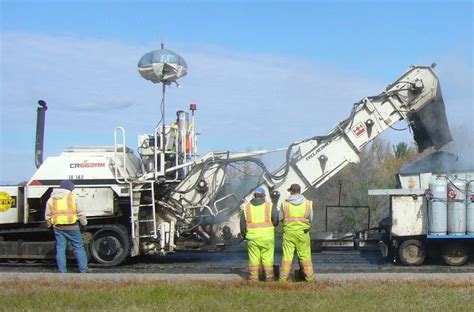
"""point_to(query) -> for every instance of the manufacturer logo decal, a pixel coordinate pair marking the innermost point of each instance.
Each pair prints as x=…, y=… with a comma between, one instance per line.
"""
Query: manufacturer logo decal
x=6, y=202
x=314, y=153
x=359, y=129
x=87, y=164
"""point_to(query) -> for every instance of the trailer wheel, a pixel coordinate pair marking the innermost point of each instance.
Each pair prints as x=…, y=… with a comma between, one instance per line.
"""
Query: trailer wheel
x=411, y=252
x=455, y=254
x=110, y=246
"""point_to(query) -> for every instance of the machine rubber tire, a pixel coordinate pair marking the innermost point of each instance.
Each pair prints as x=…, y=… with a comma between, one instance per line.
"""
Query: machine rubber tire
x=110, y=246
x=411, y=252
x=455, y=254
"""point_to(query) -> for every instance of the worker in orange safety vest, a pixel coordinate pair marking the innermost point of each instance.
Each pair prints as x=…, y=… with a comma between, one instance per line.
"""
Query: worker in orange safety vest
x=296, y=213
x=257, y=226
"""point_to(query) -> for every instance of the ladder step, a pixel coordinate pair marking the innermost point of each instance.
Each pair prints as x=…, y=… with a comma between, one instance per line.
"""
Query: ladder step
x=145, y=236
x=141, y=205
x=149, y=220
x=141, y=189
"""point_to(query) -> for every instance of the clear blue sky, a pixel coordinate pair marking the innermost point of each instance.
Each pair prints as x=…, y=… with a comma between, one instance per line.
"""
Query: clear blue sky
x=249, y=63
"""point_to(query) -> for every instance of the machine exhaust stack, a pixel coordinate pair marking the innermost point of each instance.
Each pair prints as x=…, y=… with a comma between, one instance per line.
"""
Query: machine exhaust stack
x=40, y=120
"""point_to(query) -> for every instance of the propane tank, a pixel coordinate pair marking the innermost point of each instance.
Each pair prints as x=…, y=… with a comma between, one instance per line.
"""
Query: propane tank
x=457, y=207
x=437, y=207
x=470, y=209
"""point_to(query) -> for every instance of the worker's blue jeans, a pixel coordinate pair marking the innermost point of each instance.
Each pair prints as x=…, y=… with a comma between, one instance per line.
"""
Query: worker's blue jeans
x=74, y=236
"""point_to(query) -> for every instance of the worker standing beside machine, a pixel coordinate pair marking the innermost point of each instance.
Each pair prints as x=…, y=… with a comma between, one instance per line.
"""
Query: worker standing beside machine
x=63, y=215
x=297, y=214
x=258, y=227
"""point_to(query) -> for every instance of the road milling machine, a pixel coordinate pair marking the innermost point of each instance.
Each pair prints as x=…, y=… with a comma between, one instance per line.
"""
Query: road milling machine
x=167, y=198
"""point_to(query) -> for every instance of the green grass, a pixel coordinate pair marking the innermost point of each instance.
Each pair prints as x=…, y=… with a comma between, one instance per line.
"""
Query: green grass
x=42, y=295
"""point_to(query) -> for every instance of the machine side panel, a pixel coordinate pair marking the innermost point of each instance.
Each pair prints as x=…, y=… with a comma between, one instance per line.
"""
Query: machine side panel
x=95, y=201
x=409, y=215
x=75, y=168
x=410, y=181
x=325, y=160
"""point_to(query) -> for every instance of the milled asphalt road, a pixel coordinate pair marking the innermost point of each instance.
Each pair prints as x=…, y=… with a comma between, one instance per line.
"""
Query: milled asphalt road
x=140, y=277
x=331, y=265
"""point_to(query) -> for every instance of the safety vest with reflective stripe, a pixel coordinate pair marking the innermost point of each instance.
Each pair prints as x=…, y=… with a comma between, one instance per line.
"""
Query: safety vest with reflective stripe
x=258, y=220
x=296, y=217
x=63, y=210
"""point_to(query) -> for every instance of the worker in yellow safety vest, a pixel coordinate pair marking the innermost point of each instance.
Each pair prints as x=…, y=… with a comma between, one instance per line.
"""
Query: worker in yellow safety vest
x=257, y=226
x=63, y=215
x=296, y=213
